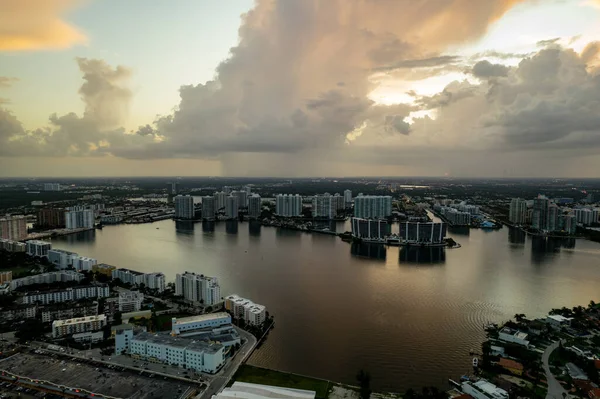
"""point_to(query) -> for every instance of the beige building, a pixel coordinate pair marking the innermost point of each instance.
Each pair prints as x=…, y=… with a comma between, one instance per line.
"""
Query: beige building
x=5, y=277
x=13, y=227
x=60, y=328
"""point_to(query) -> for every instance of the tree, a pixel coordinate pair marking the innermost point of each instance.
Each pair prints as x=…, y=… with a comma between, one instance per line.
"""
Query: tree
x=364, y=381
x=30, y=330
x=519, y=317
x=118, y=318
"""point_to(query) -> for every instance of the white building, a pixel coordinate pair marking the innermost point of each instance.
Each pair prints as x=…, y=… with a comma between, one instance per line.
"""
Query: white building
x=38, y=248
x=210, y=320
x=242, y=197
x=51, y=187
x=372, y=206
x=518, y=211
x=231, y=207
x=348, y=198
x=61, y=328
x=123, y=338
x=558, y=320
x=79, y=218
x=288, y=205
x=220, y=198
x=12, y=246
x=244, y=390
x=128, y=276
x=509, y=335
x=62, y=259
x=69, y=294
x=208, y=208
x=483, y=389
x=245, y=309
x=254, y=206
x=324, y=206
x=13, y=227
x=84, y=263
x=92, y=337
x=196, y=355
x=47, y=278
x=585, y=216
x=184, y=207
x=130, y=301
x=155, y=281
x=198, y=288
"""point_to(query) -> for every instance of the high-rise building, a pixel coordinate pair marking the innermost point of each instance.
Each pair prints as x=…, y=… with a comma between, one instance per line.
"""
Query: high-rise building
x=62, y=259
x=227, y=189
x=585, y=216
x=79, y=219
x=242, y=197
x=51, y=218
x=38, y=248
x=288, y=205
x=220, y=198
x=13, y=227
x=51, y=187
x=254, y=206
x=347, y=198
x=198, y=288
x=539, y=217
x=518, y=211
x=428, y=232
x=248, y=190
x=174, y=188
x=339, y=202
x=184, y=207
x=208, y=207
x=323, y=206
x=372, y=206
x=231, y=207
x=553, y=214
x=370, y=228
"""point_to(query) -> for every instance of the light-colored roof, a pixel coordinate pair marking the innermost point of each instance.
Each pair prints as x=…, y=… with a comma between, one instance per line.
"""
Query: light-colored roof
x=244, y=390
x=77, y=320
x=200, y=318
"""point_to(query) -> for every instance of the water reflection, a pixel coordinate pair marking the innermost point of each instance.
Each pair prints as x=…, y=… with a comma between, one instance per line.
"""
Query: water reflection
x=516, y=235
x=231, y=227
x=459, y=230
x=422, y=255
x=325, y=224
x=208, y=226
x=254, y=227
x=184, y=227
x=82, y=236
x=368, y=250
x=546, y=248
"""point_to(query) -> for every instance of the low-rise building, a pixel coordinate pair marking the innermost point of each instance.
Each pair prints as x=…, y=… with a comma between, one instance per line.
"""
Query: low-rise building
x=507, y=334
x=12, y=246
x=558, y=320
x=210, y=320
x=242, y=308
x=68, y=310
x=62, y=259
x=84, y=263
x=130, y=301
x=38, y=248
x=5, y=277
x=196, y=355
x=483, y=389
x=123, y=338
x=69, y=294
x=244, y=390
x=47, y=278
x=103, y=268
x=60, y=328
x=92, y=337
x=128, y=276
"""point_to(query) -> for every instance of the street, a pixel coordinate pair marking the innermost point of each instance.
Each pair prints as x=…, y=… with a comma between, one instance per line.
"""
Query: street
x=555, y=390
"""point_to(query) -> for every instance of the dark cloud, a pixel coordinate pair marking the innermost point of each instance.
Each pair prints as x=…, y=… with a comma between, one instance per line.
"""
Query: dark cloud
x=485, y=69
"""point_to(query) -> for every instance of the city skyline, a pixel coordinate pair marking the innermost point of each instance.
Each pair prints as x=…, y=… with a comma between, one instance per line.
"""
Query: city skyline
x=280, y=88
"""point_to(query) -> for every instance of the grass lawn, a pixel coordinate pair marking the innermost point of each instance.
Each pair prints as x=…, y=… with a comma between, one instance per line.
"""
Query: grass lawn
x=259, y=375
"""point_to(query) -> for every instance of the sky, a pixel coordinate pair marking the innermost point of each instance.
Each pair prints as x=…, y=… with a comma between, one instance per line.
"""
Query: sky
x=502, y=88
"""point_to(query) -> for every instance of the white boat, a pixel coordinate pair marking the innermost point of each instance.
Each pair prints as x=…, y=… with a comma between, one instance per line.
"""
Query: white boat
x=475, y=362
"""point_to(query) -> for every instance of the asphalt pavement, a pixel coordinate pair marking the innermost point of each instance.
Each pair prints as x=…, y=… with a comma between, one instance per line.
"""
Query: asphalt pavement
x=555, y=390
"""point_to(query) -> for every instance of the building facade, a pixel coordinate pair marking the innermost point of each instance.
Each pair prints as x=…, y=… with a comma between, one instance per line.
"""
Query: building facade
x=518, y=211
x=79, y=219
x=47, y=278
x=6, y=277
x=220, y=198
x=155, y=281
x=84, y=263
x=51, y=218
x=60, y=328
x=288, y=205
x=184, y=207
x=242, y=197
x=208, y=208
x=62, y=259
x=128, y=276
x=210, y=320
x=428, y=232
x=231, y=207
x=38, y=248
x=348, y=198
x=242, y=308
x=370, y=228
x=60, y=311
x=324, y=206
x=13, y=227
x=198, y=288
x=12, y=246
x=130, y=301
x=69, y=294
x=254, y=206
x=539, y=216
x=373, y=206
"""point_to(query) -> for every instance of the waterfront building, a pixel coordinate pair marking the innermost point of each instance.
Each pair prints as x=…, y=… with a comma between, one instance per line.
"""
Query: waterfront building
x=517, y=213
x=553, y=215
x=208, y=208
x=195, y=355
x=210, y=320
x=483, y=389
x=61, y=259
x=184, y=207
x=231, y=207
x=51, y=187
x=174, y=188
x=69, y=294
x=348, y=198
x=60, y=328
x=83, y=263
x=51, y=218
x=12, y=246
x=242, y=308
x=585, y=216
x=242, y=197
x=18, y=312
x=568, y=223
x=123, y=338
x=13, y=227
x=132, y=277
x=103, y=268
x=370, y=228
x=38, y=248
x=220, y=198
x=373, y=206
x=539, y=217
x=288, y=205
x=155, y=281
x=198, y=288
x=323, y=206
x=79, y=219
x=254, y=206
x=47, y=278
x=428, y=232
x=456, y=217
x=60, y=311
x=130, y=301
x=5, y=277
x=507, y=334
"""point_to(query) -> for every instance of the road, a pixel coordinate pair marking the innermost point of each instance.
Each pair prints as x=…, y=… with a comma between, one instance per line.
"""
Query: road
x=222, y=377
x=555, y=390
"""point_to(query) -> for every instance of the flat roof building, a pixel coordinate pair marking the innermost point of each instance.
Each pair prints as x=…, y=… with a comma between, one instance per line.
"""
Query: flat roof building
x=244, y=390
x=77, y=325
x=198, y=322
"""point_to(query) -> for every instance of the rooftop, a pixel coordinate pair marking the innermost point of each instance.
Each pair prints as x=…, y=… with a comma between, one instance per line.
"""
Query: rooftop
x=77, y=320
x=199, y=318
x=166, y=339
x=559, y=318
x=130, y=271
x=244, y=390
x=510, y=364
x=63, y=251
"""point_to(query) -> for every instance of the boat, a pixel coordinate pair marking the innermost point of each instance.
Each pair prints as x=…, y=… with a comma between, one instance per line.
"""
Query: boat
x=475, y=362
x=393, y=240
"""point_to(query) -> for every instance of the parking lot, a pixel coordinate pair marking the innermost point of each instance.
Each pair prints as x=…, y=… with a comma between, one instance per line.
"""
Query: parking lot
x=73, y=374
